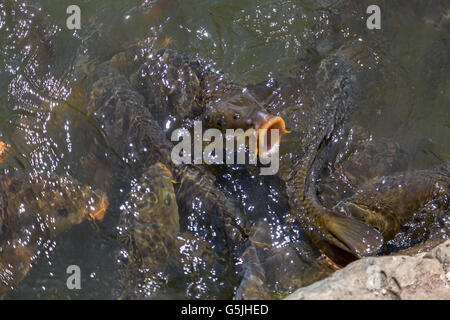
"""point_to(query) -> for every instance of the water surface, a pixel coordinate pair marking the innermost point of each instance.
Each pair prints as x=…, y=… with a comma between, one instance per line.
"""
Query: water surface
x=405, y=98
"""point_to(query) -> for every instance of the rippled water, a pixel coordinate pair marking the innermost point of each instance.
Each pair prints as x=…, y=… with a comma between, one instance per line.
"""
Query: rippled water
x=405, y=97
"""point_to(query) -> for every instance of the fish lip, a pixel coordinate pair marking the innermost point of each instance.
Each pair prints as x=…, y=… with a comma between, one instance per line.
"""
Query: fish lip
x=269, y=122
x=3, y=151
x=165, y=169
x=99, y=212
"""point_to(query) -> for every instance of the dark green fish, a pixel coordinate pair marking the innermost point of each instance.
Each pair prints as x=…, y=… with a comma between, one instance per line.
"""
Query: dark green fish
x=33, y=210
x=390, y=202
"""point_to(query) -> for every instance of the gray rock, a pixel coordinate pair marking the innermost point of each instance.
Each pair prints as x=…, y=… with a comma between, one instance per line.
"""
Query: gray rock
x=424, y=276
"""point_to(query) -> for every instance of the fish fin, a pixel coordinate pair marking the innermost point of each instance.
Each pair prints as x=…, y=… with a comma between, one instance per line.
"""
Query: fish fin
x=353, y=235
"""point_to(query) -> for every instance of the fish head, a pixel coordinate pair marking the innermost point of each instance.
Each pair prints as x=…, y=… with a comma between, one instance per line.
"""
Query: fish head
x=242, y=111
x=370, y=216
x=70, y=202
x=49, y=204
x=152, y=200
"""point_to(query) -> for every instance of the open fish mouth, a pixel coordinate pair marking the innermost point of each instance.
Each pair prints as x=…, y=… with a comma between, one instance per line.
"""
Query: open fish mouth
x=98, y=212
x=268, y=142
x=3, y=151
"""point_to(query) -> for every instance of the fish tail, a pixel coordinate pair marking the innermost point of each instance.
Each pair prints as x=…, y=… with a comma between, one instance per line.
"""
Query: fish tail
x=352, y=235
x=346, y=233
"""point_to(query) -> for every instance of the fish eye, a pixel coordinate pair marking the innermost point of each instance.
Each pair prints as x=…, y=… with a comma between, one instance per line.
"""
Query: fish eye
x=63, y=212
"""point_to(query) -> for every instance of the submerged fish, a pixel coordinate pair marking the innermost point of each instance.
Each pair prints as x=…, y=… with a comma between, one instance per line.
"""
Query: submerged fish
x=178, y=88
x=347, y=233
x=135, y=144
x=33, y=210
x=388, y=203
x=326, y=226
x=149, y=225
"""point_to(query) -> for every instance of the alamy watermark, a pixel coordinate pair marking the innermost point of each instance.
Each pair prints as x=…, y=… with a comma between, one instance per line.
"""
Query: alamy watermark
x=74, y=20
x=374, y=20
x=263, y=144
x=74, y=280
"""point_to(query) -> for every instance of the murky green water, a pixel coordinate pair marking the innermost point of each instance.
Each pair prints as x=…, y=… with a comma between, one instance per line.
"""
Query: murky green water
x=405, y=97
